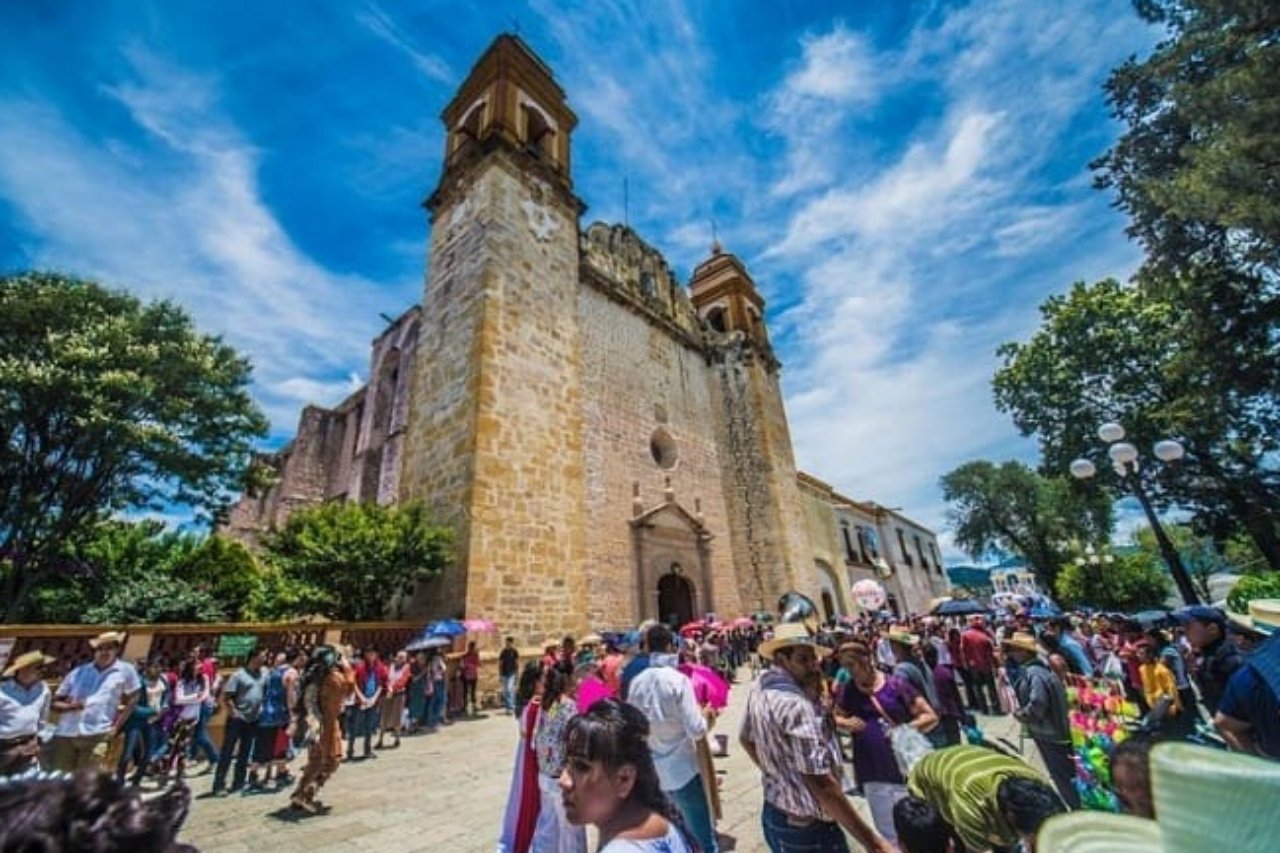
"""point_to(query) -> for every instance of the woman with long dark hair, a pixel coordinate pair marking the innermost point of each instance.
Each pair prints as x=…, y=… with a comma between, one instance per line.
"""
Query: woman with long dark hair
x=524, y=800
x=553, y=833
x=610, y=782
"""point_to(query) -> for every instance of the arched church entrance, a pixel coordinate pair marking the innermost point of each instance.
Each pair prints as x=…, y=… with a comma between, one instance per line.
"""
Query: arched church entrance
x=675, y=598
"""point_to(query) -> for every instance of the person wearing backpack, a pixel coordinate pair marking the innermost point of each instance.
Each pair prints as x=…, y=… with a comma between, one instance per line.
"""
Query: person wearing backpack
x=268, y=744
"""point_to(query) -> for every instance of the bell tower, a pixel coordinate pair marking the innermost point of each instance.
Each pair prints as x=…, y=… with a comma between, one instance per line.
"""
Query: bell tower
x=495, y=442
x=769, y=537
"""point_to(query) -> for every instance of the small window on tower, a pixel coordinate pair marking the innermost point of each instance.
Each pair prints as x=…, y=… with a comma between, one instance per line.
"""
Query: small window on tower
x=537, y=131
x=716, y=319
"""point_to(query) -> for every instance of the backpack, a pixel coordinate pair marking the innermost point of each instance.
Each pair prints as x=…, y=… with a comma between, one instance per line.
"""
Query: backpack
x=275, y=711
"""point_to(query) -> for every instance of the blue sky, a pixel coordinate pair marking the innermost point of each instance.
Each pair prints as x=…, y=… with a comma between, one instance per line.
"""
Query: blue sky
x=907, y=181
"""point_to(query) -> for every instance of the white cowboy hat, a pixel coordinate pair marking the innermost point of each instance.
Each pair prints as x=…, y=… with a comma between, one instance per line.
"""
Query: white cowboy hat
x=22, y=661
x=791, y=634
x=1194, y=811
x=114, y=637
x=1022, y=640
x=1263, y=617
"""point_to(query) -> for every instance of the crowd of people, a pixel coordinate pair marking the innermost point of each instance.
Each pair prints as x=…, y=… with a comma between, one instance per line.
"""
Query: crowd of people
x=618, y=731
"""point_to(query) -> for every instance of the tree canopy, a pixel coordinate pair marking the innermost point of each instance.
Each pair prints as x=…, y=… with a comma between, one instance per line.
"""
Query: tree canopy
x=1133, y=582
x=1109, y=351
x=1197, y=167
x=1009, y=507
x=106, y=403
x=353, y=561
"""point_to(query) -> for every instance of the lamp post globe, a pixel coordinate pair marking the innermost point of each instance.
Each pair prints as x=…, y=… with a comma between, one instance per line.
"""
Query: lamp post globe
x=1122, y=453
x=1169, y=450
x=1111, y=432
x=1082, y=469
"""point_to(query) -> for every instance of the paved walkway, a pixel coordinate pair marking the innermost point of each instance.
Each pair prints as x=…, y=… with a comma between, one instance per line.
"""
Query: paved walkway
x=446, y=792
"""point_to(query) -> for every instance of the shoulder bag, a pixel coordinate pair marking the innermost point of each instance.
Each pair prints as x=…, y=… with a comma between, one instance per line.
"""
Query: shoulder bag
x=908, y=745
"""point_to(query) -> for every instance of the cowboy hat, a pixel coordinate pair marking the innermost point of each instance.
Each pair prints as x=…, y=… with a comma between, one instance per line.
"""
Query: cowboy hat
x=114, y=637
x=22, y=661
x=902, y=636
x=1263, y=617
x=1184, y=778
x=791, y=634
x=1022, y=640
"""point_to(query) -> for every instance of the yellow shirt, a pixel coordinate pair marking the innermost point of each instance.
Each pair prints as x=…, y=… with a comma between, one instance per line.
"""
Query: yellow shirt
x=1158, y=682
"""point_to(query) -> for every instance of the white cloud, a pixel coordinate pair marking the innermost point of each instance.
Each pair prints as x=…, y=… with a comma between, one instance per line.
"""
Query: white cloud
x=186, y=222
x=378, y=22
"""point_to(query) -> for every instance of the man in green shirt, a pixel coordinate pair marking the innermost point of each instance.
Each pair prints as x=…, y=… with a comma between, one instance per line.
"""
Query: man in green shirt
x=990, y=799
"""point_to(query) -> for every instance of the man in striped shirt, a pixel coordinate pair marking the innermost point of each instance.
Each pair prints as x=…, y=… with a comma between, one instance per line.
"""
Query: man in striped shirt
x=991, y=800
x=789, y=735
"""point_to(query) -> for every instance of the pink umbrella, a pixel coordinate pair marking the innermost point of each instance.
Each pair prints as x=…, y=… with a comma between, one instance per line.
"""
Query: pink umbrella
x=742, y=622
x=479, y=626
x=708, y=686
x=590, y=691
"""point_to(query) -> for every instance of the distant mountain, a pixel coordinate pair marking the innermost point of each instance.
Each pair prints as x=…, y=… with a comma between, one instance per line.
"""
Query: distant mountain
x=976, y=579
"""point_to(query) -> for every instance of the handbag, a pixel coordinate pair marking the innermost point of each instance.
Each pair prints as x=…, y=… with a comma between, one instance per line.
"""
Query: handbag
x=908, y=745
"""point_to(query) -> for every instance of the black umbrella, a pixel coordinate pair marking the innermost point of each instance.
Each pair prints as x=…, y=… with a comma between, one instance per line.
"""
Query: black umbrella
x=1149, y=619
x=960, y=607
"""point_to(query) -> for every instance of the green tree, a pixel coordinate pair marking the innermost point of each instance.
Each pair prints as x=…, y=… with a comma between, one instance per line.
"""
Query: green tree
x=361, y=558
x=1109, y=351
x=1133, y=582
x=158, y=598
x=1009, y=507
x=1198, y=166
x=1198, y=553
x=1252, y=587
x=227, y=571
x=106, y=403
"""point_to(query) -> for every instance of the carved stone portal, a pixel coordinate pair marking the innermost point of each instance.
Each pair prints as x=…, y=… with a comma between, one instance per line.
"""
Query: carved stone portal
x=672, y=565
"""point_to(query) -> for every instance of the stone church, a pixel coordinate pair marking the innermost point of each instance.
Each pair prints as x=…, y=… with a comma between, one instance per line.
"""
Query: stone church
x=608, y=443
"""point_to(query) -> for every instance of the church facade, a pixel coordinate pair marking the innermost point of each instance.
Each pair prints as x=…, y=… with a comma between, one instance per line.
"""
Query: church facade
x=608, y=444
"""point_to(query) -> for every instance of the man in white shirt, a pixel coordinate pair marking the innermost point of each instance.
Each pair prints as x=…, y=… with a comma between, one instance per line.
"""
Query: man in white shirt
x=94, y=701
x=24, y=706
x=665, y=696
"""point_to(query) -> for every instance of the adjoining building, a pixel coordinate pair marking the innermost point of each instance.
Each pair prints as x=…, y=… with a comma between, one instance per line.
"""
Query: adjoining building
x=608, y=443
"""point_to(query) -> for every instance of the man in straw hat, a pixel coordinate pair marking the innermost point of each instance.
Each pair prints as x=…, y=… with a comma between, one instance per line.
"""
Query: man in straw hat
x=910, y=668
x=24, y=706
x=1042, y=708
x=1249, y=714
x=1205, y=799
x=792, y=739
x=94, y=701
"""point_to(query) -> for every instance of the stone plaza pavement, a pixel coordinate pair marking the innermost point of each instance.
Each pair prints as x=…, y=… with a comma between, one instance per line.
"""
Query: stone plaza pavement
x=446, y=792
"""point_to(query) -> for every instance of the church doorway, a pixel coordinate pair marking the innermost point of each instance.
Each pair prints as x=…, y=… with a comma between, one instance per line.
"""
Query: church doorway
x=675, y=598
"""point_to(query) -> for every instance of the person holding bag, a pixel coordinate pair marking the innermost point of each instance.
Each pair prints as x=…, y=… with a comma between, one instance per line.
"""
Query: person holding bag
x=877, y=710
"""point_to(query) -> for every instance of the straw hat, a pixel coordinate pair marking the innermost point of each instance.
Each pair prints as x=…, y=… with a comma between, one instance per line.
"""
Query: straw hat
x=1184, y=778
x=1022, y=640
x=1263, y=617
x=114, y=637
x=902, y=636
x=592, y=639
x=790, y=634
x=22, y=661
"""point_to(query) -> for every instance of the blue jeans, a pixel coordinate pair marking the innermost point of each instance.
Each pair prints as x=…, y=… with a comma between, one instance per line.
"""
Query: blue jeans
x=435, y=713
x=200, y=741
x=509, y=691
x=691, y=802
x=817, y=837
x=237, y=740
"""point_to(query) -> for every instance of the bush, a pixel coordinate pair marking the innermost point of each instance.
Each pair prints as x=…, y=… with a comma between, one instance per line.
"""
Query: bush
x=1252, y=587
x=1133, y=582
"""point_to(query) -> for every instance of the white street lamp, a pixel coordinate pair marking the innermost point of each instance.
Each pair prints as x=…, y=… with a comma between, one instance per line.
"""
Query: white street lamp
x=1082, y=469
x=1111, y=432
x=1124, y=458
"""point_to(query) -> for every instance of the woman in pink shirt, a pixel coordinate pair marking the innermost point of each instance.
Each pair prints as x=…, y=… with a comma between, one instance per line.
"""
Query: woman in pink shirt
x=470, y=675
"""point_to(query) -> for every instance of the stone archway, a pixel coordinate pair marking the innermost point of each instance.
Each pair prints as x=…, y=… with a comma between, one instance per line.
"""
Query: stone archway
x=675, y=598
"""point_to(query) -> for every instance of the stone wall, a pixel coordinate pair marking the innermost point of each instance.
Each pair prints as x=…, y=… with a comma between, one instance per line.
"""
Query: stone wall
x=642, y=384
x=495, y=434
